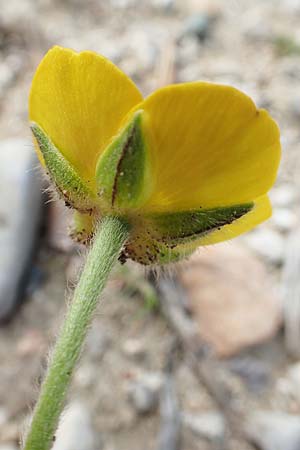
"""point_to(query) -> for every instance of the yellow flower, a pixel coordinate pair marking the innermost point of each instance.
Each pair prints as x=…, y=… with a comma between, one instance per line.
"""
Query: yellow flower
x=189, y=165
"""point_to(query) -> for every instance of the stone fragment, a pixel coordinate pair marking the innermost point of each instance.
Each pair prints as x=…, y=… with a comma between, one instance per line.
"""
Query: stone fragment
x=270, y=430
x=198, y=26
x=254, y=372
x=294, y=107
x=289, y=384
x=144, y=392
x=31, y=342
x=210, y=426
x=283, y=196
x=232, y=298
x=8, y=447
x=284, y=219
x=169, y=437
x=75, y=431
x=20, y=218
x=3, y=416
x=134, y=349
x=267, y=243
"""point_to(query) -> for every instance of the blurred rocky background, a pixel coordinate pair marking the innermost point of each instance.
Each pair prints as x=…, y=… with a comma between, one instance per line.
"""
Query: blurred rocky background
x=206, y=356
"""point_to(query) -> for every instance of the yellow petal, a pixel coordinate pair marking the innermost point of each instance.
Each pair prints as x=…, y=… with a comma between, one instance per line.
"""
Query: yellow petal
x=261, y=211
x=79, y=100
x=209, y=146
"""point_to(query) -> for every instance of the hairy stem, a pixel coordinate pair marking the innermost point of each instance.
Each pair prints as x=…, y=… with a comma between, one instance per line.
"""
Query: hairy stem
x=110, y=237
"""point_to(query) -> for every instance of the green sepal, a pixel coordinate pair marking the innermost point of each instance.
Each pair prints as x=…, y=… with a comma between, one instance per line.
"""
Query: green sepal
x=83, y=227
x=122, y=172
x=69, y=184
x=163, y=238
x=182, y=227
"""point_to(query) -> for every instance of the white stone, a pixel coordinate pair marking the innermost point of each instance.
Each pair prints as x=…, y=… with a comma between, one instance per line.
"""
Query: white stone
x=283, y=196
x=8, y=447
x=3, y=416
x=284, y=219
x=210, y=426
x=144, y=392
x=291, y=6
x=289, y=384
x=20, y=213
x=134, y=348
x=75, y=431
x=270, y=430
x=267, y=243
x=294, y=375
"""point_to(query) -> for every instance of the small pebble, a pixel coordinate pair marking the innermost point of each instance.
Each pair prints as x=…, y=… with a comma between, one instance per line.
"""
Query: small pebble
x=289, y=384
x=253, y=371
x=270, y=430
x=75, y=431
x=135, y=349
x=144, y=392
x=209, y=426
x=8, y=447
x=198, y=26
x=268, y=244
x=284, y=219
x=283, y=196
x=3, y=416
x=294, y=106
x=20, y=218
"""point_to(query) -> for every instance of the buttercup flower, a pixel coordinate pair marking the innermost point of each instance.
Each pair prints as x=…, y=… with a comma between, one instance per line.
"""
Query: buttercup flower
x=190, y=165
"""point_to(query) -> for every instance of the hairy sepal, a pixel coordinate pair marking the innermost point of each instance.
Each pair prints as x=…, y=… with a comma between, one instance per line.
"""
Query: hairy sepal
x=164, y=238
x=71, y=187
x=184, y=226
x=123, y=169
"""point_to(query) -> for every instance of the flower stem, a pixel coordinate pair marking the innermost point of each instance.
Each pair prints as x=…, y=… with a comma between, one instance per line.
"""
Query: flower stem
x=110, y=237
